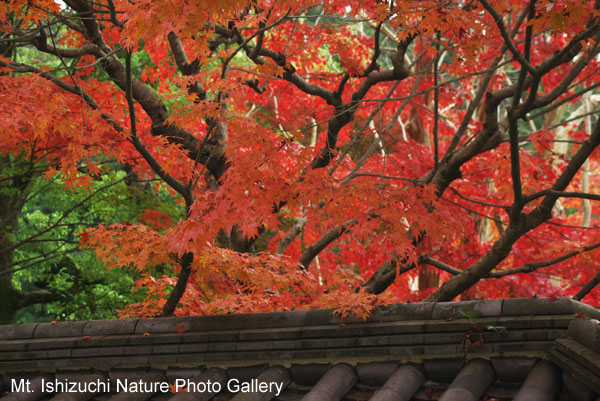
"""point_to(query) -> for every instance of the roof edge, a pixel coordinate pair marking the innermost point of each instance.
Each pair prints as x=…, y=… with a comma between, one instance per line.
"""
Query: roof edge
x=300, y=318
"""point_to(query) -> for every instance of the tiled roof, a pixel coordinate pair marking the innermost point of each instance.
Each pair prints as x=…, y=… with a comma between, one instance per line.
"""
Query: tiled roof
x=529, y=349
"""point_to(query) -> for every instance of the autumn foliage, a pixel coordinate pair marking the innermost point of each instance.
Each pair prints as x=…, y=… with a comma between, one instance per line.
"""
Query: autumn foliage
x=322, y=153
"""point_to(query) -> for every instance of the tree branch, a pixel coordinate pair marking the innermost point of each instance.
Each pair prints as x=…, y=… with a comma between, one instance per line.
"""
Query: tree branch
x=64, y=216
x=324, y=241
x=244, y=43
x=289, y=237
x=516, y=228
x=385, y=275
x=343, y=113
x=507, y=40
x=150, y=102
x=376, y=51
x=562, y=194
x=184, y=65
x=526, y=268
x=178, y=186
x=560, y=102
x=475, y=200
x=587, y=288
x=436, y=103
x=481, y=89
x=42, y=45
x=486, y=139
x=34, y=297
x=179, y=289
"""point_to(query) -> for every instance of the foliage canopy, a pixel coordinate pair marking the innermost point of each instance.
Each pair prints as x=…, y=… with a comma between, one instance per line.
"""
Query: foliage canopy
x=316, y=153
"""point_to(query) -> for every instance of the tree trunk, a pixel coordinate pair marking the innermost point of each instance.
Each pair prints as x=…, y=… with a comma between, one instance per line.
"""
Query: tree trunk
x=13, y=194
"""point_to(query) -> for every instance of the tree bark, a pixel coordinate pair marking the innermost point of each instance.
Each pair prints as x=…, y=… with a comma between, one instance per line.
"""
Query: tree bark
x=13, y=194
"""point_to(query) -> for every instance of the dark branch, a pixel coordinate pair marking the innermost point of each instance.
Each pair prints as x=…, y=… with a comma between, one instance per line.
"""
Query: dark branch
x=562, y=194
x=526, y=268
x=517, y=227
x=324, y=241
x=507, y=40
x=178, y=186
x=289, y=237
x=179, y=289
x=376, y=52
x=587, y=288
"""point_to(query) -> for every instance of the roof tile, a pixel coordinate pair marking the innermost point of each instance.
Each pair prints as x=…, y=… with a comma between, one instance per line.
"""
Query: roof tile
x=334, y=385
x=542, y=384
x=370, y=357
x=402, y=384
x=586, y=331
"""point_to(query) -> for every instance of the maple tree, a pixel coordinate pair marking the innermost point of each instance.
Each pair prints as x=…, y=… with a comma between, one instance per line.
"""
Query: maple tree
x=321, y=153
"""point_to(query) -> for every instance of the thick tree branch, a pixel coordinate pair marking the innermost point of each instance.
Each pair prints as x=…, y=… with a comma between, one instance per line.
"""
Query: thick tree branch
x=573, y=47
x=385, y=275
x=516, y=228
x=184, y=65
x=324, y=241
x=289, y=237
x=42, y=45
x=179, y=289
x=526, y=268
x=113, y=14
x=587, y=288
x=428, y=260
x=490, y=136
x=149, y=101
x=35, y=297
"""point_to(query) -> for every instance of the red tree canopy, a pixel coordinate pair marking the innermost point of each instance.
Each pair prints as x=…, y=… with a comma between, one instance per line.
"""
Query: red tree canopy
x=322, y=153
